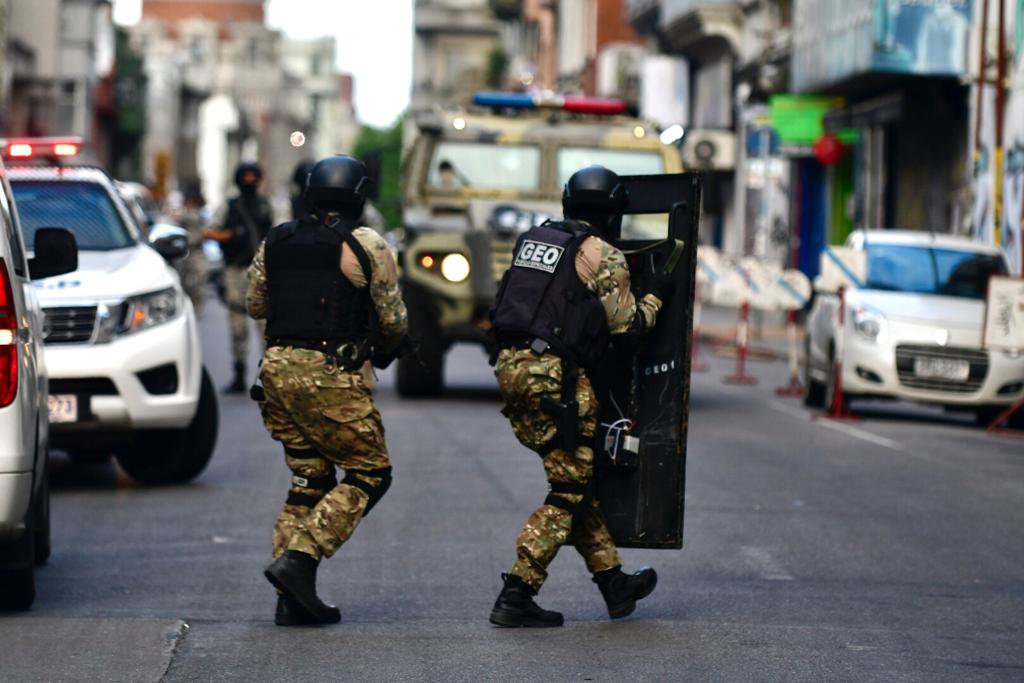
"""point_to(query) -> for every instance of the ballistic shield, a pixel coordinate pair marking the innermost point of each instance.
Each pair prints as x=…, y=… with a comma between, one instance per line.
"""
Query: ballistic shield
x=643, y=385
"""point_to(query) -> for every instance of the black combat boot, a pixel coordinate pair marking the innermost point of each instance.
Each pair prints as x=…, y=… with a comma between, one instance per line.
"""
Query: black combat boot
x=515, y=606
x=291, y=613
x=237, y=385
x=621, y=590
x=294, y=574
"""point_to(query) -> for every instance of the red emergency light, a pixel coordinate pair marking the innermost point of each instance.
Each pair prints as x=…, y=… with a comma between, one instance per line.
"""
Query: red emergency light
x=29, y=148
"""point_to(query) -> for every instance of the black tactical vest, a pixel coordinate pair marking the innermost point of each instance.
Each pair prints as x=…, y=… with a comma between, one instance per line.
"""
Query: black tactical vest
x=541, y=296
x=310, y=300
x=250, y=218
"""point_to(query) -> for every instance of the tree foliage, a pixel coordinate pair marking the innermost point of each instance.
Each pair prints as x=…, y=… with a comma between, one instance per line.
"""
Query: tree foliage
x=383, y=146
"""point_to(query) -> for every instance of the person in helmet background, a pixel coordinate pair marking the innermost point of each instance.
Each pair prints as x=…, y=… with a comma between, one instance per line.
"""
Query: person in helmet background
x=328, y=289
x=239, y=227
x=566, y=293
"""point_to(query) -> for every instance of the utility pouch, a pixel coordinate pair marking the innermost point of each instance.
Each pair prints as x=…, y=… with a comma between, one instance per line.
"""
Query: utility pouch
x=566, y=417
x=619, y=445
x=256, y=391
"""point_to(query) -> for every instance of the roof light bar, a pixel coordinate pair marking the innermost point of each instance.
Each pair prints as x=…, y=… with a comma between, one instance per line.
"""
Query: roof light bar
x=577, y=105
x=27, y=148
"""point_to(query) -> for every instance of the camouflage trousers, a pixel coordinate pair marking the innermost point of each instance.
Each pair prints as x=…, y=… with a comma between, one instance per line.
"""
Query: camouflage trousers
x=194, y=273
x=236, y=282
x=524, y=378
x=326, y=419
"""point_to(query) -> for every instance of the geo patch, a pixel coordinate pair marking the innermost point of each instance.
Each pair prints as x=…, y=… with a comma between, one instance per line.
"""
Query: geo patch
x=539, y=255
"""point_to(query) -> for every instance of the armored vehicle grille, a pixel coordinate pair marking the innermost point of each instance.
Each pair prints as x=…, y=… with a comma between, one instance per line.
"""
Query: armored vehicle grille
x=501, y=257
x=906, y=354
x=69, y=325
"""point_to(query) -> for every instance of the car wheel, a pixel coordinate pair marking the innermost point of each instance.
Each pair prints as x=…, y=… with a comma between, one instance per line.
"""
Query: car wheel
x=421, y=374
x=986, y=415
x=814, y=391
x=175, y=456
x=87, y=457
x=18, y=586
x=42, y=521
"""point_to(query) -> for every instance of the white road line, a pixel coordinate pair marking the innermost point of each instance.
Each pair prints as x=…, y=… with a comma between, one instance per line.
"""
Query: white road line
x=767, y=567
x=839, y=427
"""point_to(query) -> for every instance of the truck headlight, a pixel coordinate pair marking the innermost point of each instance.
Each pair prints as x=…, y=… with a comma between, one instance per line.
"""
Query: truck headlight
x=455, y=267
x=869, y=323
x=136, y=313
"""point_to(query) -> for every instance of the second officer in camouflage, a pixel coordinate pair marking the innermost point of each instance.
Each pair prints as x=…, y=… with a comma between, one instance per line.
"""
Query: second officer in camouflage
x=567, y=292
x=328, y=291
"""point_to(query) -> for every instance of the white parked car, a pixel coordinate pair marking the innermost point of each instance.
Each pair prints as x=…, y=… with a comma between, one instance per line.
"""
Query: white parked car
x=122, y=344
x=24, y=488
x=915, y=330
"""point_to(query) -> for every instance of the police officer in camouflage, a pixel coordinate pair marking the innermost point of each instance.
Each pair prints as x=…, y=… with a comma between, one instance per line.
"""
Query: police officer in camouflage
x=328, y=289
x=566, y=293
x=239, y=227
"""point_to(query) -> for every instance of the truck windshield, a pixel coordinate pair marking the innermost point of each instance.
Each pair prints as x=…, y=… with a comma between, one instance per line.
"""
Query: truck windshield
x=484, y=166
x=623, y=162
x=927, y=270
x=84, y=208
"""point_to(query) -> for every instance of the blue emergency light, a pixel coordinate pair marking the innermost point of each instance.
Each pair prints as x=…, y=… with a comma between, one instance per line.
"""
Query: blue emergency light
x=579, y=105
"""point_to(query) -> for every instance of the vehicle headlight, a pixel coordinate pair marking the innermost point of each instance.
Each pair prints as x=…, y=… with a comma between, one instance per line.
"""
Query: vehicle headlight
x=868, y=322
x=136, y=313
x=455, y=267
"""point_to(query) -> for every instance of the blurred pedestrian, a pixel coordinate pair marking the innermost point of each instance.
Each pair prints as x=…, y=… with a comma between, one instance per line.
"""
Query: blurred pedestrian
x=239, y=227
x=566, y=293
x=194, y=269
x=328, y=289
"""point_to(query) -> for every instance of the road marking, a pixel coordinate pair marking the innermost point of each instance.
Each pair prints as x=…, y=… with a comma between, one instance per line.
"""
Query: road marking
x=839, y=427
x=767, y=567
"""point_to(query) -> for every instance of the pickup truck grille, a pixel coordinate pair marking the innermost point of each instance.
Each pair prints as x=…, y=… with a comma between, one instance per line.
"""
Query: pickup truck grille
x=978, y=360
x=69, y=325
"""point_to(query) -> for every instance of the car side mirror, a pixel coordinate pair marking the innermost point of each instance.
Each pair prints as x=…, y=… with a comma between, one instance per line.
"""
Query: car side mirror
x=56, y=253
x=169, y=241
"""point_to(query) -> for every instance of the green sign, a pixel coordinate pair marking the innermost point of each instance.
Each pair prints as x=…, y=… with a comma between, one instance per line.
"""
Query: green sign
x=798, y=119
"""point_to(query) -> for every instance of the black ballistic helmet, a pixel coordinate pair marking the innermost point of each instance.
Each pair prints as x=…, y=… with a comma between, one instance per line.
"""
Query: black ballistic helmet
x=302, y=171
x=337, y=182
x=245, y=168
x=595, y=194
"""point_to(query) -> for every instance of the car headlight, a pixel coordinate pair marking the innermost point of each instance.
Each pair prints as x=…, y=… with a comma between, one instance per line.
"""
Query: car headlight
x=868, y=322
x=455, y=267
x=136, y=314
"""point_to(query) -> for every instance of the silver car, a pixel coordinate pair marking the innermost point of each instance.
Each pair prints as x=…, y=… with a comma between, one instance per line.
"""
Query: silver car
x=914, y=331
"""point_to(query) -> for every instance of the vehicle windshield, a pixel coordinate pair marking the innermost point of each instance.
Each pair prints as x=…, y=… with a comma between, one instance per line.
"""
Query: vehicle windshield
x=84, y=208
x=623, y=162
x=484, y=166
x=927, y=270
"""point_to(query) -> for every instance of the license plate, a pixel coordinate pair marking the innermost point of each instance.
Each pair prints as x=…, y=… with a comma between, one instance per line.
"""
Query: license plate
x=942, y=368
x=63, y=408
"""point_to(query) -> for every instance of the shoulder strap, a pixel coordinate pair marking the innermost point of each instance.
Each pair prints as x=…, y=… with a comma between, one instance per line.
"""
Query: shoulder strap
x=343, y=229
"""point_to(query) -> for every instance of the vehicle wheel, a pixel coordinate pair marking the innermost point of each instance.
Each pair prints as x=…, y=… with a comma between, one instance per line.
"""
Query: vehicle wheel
x=18, y=586
x=814, y=391
x=986, y=415
x=42, y=521
x=421, y=374
x=84, y=457
x=175, y=456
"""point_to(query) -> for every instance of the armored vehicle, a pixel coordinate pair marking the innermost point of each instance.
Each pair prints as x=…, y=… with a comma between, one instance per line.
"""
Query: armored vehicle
x=474, y=180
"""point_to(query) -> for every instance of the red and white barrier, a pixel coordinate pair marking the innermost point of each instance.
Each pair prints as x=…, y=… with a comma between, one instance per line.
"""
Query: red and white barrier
x=839, y=409
x=794, y=388
x=742, y=347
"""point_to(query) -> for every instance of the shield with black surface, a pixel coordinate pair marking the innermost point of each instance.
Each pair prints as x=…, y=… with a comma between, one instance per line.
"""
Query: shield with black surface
x=643, y=385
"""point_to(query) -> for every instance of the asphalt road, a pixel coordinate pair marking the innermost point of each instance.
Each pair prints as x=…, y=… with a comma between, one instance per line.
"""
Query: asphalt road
x=888, y=550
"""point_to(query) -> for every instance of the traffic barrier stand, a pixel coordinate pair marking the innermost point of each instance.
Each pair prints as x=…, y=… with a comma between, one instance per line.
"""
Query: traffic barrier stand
x=839, y=409
x=794, y=388
x=697, y=363
x=742, y=340
x=997, y=427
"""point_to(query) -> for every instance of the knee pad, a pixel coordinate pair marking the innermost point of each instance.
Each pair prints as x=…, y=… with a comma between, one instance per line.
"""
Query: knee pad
x=374, y=491
x=315, y=487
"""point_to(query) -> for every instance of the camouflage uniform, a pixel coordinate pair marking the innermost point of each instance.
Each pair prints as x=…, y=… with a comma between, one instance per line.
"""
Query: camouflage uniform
x=525, y=378
x=325, y=417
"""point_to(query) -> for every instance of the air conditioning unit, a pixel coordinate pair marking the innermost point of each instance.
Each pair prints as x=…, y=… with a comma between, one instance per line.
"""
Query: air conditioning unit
x=709, y=150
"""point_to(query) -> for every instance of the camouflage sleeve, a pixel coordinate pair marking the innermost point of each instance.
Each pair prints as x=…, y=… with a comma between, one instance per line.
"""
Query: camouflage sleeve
x=611, y=283
x=384, y=292
x=256, y=294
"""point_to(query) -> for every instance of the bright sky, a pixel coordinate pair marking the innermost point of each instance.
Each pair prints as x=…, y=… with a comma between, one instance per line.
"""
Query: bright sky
x=374, y=44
